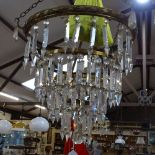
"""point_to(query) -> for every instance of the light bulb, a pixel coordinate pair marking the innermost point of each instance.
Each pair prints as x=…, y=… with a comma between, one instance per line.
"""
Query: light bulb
x=143, y=1
x=5, y=127
x=39, y=124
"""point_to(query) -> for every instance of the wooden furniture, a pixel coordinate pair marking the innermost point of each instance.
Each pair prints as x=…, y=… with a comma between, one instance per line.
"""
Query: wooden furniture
x=58, y=144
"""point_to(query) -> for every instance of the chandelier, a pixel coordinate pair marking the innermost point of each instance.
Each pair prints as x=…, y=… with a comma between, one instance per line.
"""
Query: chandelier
x=79, y=80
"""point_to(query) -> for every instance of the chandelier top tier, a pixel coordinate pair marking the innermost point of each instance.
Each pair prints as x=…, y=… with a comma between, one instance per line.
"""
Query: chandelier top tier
x=78, y=84
x=77, y=10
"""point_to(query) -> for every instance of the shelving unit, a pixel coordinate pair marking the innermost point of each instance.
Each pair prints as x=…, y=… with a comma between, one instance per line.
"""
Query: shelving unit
x=106, y=142
x=58, y=144
x=30, y=151
x=26, y=150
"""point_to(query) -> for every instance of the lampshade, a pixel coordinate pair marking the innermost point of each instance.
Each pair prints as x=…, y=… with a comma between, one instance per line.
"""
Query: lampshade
x=39, y=124
x=5, y=127
x=140, y=141
x=120, y=140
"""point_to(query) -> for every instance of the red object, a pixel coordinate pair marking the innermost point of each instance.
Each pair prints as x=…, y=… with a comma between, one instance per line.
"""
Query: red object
x=68, y=146
x=79, y=148
x=72, y=125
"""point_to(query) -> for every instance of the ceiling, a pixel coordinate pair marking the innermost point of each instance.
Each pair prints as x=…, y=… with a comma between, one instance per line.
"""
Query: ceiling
x=12, y=74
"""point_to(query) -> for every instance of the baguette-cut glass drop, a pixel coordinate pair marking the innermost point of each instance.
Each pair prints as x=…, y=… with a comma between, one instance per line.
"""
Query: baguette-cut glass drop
x=15, y=33
x=69, y=68
x=34, y=39
x=45, y=34
x=76, y=34
x=60, y=73
x=80, y=67
x=120, y=40
x=132, y=20
x=93, y=33
x=105, y=38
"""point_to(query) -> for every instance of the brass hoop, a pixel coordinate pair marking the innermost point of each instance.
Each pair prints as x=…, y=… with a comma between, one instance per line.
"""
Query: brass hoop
x=76, y=10
x=76, y=52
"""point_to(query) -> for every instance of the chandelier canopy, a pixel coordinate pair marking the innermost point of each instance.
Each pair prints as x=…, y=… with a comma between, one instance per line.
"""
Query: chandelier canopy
x=78, y=81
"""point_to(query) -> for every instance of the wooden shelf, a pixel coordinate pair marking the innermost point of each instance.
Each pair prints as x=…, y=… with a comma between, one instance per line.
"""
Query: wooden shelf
x=58, y=144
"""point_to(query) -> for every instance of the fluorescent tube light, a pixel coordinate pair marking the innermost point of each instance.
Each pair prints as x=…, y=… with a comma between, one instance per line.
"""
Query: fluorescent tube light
x=41, y=107
x=9, y=96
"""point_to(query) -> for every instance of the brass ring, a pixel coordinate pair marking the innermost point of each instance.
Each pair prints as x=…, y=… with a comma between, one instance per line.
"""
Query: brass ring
x=76, y=52
x=76, y=10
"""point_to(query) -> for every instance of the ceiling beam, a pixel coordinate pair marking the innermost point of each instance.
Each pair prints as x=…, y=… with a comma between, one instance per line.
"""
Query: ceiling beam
x=130, y=85
x=20, y=103
x=148, y=78
x=139, y=34
x=18, y=84
x=140, y=65
x=148, y=44
x=139, y=41
x=15, y=112
x=14, y=82
x=134, y=104
x=11, y=76
x=10, y=63
x=131, y=92
x=31, y=109
x=53, y=44
x=149, y=23
x=141, y=75
x=144, y=48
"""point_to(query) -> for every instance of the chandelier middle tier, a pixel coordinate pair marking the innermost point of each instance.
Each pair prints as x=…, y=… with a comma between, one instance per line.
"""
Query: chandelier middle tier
x=83, y=77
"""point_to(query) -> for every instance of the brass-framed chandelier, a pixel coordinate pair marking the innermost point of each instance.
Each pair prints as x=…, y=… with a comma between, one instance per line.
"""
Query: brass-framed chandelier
x=78, y=81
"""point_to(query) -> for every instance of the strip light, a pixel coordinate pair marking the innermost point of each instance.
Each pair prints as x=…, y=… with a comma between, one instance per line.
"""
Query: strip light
x=9, y=96
x=41, y=107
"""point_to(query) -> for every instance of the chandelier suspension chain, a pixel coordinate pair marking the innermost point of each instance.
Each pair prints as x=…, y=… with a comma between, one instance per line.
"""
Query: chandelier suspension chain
x=24, y=13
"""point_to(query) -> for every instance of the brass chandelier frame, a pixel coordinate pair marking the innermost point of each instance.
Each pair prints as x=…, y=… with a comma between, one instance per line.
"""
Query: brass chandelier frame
x=77, y=10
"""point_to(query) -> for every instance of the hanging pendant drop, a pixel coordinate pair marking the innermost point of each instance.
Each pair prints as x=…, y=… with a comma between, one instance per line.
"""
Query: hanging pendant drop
x=105, y=38
x=45, y=37
x=15, y=33
x=76, y=34
x=132, y=21
x=93, y=33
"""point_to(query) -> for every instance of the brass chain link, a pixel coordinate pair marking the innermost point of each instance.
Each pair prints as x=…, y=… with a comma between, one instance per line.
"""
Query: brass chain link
x=24, y=13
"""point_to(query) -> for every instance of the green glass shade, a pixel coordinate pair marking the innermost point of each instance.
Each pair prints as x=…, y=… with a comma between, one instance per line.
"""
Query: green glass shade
x=86, y=23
